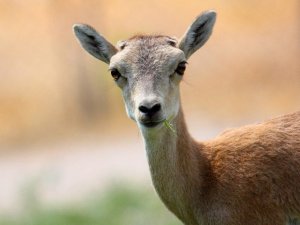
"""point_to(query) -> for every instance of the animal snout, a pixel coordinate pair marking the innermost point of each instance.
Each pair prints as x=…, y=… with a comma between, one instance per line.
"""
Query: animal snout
x=149, y=109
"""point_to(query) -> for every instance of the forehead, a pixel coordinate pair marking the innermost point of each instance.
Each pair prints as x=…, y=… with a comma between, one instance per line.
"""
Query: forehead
x=147, y=51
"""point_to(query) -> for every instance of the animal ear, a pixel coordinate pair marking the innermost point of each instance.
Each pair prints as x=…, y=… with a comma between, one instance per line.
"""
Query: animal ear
x=198, y=33
x=94, y=43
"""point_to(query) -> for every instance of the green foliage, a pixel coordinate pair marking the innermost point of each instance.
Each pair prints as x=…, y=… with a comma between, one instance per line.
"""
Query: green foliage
x=120, y=205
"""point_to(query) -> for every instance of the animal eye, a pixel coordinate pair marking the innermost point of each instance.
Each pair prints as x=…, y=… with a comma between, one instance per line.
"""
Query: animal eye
x=115, y=74
x=181, y=68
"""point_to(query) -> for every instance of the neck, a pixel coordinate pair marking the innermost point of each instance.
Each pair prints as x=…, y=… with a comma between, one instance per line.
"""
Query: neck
x=175, y=164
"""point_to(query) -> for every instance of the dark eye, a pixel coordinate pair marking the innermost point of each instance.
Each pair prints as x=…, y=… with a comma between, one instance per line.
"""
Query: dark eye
x=115, y=74
x=181, y=68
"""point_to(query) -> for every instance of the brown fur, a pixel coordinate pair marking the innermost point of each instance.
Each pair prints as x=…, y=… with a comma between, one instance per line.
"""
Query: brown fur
x=249, y=175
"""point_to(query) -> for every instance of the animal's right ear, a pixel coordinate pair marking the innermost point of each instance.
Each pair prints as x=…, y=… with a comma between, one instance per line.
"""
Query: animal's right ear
x=94, y=43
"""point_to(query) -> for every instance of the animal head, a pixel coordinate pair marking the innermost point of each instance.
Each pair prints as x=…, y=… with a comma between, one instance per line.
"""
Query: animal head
x=148, y=69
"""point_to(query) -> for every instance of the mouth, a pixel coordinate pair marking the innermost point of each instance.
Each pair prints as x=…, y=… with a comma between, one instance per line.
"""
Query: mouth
x=151, y=124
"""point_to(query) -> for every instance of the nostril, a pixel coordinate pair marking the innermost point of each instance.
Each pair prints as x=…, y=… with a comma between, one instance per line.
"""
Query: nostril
x=144, y=109
x=155, y=108
x=150, y=110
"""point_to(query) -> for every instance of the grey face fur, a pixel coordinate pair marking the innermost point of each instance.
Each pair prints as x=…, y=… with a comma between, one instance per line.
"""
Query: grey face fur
x=147, y=65
x=148, y=69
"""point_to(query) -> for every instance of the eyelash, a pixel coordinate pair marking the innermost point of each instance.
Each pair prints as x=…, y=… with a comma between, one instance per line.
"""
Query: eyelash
x=181, y=68
x=115, y=74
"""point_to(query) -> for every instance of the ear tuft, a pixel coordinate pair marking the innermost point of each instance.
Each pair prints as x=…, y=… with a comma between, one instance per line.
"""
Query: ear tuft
x=172, y=41
x=198, y=33
x=93, y=42
x=121, y=44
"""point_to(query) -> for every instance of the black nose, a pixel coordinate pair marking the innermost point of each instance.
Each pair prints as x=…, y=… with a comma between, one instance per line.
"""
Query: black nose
x=150, y=110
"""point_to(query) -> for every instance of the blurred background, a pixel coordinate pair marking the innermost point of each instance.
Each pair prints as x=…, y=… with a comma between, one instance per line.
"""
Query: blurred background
x=69, y=154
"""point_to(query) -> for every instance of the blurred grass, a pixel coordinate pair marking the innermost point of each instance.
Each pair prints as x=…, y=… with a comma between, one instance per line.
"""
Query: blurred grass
x=119, y=205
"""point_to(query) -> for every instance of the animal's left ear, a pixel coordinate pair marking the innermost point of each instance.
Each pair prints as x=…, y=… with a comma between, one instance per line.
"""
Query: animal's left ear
x=198, y=33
